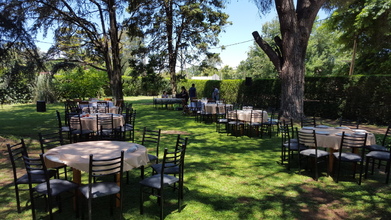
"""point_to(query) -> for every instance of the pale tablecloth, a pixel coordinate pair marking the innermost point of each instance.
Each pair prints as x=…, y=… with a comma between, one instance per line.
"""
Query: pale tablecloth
x=245, y=115
x=330, y=137
x=89, y=123
x=211, y=108
x=77, y=155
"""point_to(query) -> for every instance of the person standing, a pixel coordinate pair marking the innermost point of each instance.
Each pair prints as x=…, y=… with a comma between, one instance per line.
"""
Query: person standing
x=192, y=91
x=216, y=94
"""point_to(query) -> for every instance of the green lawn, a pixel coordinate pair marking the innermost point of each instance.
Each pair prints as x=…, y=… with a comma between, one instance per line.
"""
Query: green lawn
x=226, y=177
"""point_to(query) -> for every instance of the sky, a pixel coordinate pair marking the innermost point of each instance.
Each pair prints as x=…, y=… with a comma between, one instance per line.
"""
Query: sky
x=238, y=38
x=245, y=18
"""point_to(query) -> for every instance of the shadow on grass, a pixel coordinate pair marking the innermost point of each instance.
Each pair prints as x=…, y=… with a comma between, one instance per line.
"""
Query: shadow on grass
x=226, y=177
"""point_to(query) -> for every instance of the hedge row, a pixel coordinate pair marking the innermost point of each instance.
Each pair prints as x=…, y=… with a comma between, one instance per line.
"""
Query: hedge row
x=367, y=98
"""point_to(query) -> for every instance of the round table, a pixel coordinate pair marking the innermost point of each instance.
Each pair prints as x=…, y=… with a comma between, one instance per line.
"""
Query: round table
x=245, y=115
x=89, y=122
x=76, y=155
x=330, y=137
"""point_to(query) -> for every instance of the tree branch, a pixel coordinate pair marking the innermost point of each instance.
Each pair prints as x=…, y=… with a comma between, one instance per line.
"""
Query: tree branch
x=273, y=56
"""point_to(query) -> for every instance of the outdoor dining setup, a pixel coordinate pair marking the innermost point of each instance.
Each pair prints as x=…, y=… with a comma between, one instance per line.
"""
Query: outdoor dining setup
x=307, y=139
x=96, y=143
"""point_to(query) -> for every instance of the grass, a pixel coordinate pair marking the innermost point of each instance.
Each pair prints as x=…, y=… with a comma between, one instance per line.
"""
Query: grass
x=226, y=177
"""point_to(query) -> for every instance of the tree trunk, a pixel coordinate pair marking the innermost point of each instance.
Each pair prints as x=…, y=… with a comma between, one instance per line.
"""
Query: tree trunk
x=289, y=56
x=116, y=72
x=171, y=51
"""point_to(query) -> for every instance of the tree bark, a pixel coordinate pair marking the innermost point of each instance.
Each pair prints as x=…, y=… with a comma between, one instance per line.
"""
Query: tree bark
x=289, y=60
x=170, y=45
x=116, y=72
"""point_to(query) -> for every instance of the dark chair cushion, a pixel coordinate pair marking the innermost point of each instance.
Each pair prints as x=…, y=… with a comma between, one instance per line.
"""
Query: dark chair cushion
x=57, y=186
x=376, y=147
x=167, y=170
x=100, y=189
x=152, y=157
x=382, y=155
x=154, y=181
x=348, y=157
x=311, y=153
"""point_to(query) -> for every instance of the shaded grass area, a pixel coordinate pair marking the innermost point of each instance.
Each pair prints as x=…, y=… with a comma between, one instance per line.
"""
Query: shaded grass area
x=226, y=177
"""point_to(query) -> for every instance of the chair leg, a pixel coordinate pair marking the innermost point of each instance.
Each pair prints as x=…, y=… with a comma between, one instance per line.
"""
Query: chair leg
x=32, y=204
x=17, y=197
x=388, y=171
x=161, y=202
x=141, y=201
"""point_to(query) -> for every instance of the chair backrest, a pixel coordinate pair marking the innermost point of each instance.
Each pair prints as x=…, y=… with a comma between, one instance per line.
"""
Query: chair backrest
x=105, y=167
x=105, y=125
x=308, y=122
x=59, y=119
x=307, y=138
x=151, y=138
x=256, y=116
x=285, y=131
x=128, y=115
x=50, y=140
x=351, y=141
x=105, y=122
x=15, y=153
x=34, y=166
x=172, y=160
x=133, y=118
x=75, y=120
x=180, y=142
x=386, y=142
x=71, y=106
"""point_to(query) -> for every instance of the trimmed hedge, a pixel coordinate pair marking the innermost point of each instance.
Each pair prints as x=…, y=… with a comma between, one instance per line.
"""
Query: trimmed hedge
x=367, y=98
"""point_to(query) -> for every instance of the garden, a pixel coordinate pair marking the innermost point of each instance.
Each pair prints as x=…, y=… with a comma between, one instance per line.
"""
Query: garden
x=226, y=177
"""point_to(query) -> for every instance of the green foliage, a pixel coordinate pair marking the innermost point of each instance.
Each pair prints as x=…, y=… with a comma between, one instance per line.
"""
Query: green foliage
x=368, y=23
x=327, y=97
x=81, y=83
x=178, y=31
x=44, y=89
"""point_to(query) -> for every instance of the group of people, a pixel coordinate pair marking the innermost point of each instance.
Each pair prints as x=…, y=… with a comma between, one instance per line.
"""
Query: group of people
x=193, y=93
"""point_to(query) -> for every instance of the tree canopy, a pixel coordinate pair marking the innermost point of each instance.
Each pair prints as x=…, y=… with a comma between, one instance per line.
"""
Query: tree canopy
x=176, y=31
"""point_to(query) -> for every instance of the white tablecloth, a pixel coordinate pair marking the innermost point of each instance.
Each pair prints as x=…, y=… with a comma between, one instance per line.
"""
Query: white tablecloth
x=245, y=115
x=212, y=108
x=77, y=155
x=89, y=123
x=329, y=137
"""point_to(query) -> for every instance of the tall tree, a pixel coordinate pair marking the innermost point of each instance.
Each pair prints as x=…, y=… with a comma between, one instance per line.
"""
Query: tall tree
x=296, y=21
x=172, y=28
x=93, y=22
x=366, y=28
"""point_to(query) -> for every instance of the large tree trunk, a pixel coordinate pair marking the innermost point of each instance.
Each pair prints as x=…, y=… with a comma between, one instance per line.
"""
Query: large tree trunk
x=116, y=72
x=170, y=42
x=289, y=56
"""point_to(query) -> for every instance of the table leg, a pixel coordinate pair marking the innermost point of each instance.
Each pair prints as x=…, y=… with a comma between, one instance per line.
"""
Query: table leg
x=331, y=160
x=76, y=179
x=118, y=177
